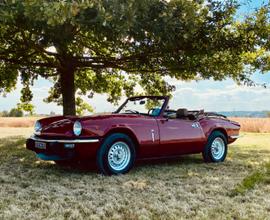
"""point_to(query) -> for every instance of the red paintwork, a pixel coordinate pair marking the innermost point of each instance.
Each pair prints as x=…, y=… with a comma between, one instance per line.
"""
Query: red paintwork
x=171, y=136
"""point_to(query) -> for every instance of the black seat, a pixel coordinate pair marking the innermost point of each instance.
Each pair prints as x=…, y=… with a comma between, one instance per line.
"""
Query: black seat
x=182, y=113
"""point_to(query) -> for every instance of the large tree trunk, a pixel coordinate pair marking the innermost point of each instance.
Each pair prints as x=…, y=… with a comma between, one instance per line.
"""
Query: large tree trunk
x=68, y=91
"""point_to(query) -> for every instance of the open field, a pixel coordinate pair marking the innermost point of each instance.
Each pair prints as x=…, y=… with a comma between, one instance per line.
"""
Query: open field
x=185, y=188
x=17, y=122
x=261, y=125
x=11, y=132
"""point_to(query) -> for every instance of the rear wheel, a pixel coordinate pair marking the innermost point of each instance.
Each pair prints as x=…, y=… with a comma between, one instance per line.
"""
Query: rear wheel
x=216, y=148
x=116, y=155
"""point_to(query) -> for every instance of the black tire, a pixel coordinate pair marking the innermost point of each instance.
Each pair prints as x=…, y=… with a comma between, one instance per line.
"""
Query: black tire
x=208, y=155
x=102, y=160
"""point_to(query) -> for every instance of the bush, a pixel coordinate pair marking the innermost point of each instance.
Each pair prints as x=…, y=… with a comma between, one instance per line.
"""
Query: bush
x=15, y=113
x=4, y=114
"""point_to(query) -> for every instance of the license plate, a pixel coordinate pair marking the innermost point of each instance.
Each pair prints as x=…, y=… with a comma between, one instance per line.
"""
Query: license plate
x=40, y=145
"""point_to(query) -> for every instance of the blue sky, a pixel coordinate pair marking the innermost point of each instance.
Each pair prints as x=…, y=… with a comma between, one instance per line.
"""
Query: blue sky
x=206, y=94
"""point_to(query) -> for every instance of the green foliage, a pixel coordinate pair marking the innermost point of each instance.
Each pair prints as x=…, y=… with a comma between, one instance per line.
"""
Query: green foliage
x=82, y=106
x=19, y=110
x=249, y=182
x=27, y=107
x=15, y=112
x=114, y=46
x=4, y=114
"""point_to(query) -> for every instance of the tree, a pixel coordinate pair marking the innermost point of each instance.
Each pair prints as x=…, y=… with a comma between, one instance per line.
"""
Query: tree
x=27, y=107
x=103, y=46
x=259, y=26
x=4, y=113
x=15, y=112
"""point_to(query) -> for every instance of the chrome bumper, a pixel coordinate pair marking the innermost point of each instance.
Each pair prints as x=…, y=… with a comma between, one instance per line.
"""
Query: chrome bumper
x=72, y=141
x=235, y=136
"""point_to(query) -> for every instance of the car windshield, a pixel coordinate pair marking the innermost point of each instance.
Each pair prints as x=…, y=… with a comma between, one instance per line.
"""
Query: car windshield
x=142, y=105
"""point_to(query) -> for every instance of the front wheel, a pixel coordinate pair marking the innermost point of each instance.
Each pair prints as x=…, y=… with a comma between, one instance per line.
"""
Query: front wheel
x=216, y=148
x=116, y=154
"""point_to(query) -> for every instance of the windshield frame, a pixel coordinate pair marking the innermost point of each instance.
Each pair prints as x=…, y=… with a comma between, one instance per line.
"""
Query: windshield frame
x=135, y=98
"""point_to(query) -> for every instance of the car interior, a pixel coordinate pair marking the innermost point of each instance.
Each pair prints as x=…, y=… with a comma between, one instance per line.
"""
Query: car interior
x=181, y=113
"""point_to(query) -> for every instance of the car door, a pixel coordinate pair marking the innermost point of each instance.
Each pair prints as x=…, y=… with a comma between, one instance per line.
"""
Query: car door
x=180, y=136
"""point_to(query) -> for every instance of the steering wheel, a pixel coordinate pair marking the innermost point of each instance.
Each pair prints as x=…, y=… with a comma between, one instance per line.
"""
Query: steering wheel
x=132, y=111
x=153, y=111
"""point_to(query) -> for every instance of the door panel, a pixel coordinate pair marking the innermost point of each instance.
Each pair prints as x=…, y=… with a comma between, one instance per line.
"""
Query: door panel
x=180, y=136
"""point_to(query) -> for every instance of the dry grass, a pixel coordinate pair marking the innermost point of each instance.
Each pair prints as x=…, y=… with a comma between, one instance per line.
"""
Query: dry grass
x=17, y=122
x=185, y=188
x=258, y=125
x=11, y=132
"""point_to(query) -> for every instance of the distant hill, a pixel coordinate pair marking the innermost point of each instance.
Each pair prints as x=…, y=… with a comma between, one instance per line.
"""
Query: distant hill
x=250, y=114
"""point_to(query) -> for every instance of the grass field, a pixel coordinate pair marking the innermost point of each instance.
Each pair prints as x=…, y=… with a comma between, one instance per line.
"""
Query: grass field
x=261, y=125
x=258, y=125
x=185, y=188
x=17, y=122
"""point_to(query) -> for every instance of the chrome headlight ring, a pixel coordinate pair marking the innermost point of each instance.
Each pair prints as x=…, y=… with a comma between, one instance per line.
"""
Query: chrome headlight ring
x=37, y=126
x=77, y=128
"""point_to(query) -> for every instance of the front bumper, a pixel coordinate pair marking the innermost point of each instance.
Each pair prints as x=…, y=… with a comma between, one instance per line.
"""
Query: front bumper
x=61, y=149
x=233, y=138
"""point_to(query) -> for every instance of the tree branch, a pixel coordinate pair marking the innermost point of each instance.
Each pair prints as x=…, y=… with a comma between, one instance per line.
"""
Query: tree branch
x=27, y=63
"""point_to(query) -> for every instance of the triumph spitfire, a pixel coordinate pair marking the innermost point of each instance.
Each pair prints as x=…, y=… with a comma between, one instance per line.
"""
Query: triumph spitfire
x=143, y=127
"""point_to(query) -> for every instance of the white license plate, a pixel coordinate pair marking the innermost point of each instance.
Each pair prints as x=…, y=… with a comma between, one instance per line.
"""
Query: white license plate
x=40, y=145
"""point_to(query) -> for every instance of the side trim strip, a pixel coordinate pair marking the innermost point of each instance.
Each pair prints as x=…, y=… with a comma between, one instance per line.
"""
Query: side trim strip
x=235, y=136
x=65, y=141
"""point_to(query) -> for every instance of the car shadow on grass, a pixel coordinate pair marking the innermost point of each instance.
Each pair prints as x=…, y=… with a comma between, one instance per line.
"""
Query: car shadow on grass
x=171, y=161
x=13, y=152
x=87, y=167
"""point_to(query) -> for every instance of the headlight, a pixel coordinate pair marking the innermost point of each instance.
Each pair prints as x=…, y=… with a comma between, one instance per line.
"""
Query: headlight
x=38, y=126
x=77, y=128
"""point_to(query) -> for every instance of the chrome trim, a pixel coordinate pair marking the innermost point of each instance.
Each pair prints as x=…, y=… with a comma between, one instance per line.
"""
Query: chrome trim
x=235, y=136
x=153, y=135
x=65, y=141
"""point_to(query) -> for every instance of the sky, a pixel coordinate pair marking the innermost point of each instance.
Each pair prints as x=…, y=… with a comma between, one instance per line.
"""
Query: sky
x=206, y=94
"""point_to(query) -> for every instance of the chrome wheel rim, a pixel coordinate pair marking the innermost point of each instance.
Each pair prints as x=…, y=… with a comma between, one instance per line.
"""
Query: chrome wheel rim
x=218, y=148
x=119, y=156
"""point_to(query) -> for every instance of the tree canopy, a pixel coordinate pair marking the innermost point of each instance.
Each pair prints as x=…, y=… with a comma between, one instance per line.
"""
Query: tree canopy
x=112, y=46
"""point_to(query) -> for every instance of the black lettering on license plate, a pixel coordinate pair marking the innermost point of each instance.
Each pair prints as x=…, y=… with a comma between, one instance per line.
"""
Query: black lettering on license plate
x=40, y=145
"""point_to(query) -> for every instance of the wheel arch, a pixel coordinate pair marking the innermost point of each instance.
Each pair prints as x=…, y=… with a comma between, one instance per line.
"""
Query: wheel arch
x=125, y=131
x=222, y=130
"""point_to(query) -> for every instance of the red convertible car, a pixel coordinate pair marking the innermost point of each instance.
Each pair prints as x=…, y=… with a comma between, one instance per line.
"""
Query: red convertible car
x=143, y=127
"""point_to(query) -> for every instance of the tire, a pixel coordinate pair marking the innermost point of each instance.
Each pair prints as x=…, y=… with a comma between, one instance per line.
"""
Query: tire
x=215, y=150
x=116, y=155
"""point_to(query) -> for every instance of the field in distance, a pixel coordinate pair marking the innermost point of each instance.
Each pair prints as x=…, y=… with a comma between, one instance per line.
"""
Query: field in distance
x=18, y=122
x=258, y=125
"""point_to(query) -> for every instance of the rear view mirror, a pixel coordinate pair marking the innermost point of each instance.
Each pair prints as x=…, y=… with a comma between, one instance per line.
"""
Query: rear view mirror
x=142, y=102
